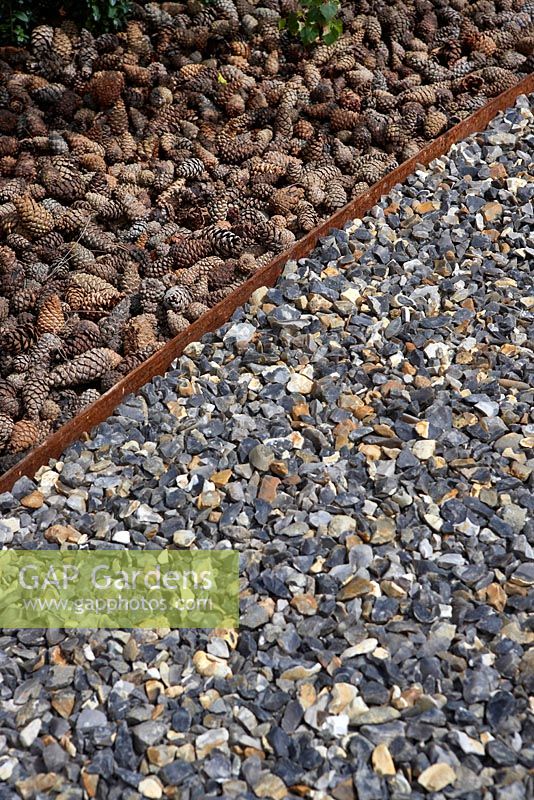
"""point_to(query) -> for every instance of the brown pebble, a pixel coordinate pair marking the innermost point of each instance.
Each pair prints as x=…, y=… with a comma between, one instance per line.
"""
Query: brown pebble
x=305, y=604
x=90, y=782
x=424, y=208
x=62, y=533
x=268, y=488
x=33, y=500
x=491, y=211
x=390, y=386
x=221, y=478
x=421, y=382
x=498, y=171
x=63, y=704
x=355, y=588
x=300, y=410
x=279, y=468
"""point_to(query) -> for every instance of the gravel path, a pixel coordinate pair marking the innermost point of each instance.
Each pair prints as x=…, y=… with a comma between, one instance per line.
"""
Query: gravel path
x=363, y=435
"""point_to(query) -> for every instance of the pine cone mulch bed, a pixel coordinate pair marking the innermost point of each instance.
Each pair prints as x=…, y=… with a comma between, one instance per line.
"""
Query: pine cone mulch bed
x=145, y=174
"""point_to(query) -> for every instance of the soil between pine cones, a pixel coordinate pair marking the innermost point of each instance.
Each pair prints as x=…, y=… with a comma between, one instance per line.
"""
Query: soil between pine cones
x=145, y=175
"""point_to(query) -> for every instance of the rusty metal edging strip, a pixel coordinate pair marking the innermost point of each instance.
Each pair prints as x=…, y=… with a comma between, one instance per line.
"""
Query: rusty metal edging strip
x=157, y=364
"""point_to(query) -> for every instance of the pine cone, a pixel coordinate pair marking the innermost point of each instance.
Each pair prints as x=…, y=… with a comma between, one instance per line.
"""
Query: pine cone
x=225, y=242
x=177, y=298
x=151, y=293
x=6, y=428
x=303, y=129
x=190, y=168
x=85, y=368
x=139, y=333
x=17, y=340
x=222, y=275
x=86, y=398
x=25, y=299
x=50, y=410
x=195, y=310
x=335, y=196
x=35, y=392
x=497, y=80
x=176, y=322
x=435, y=123
x=130, y=279
x=4, y=309
x=186, y=252
x=33, y=216
x=361, y=137
x=286, y=200
x=63, y=182
x=117, y=118
x=84, y=336
x=89, y=293
x=106, y=88
x=9, y=403
x=395, y=135
x=50, y=318
x=25, y=434
x=425, y=95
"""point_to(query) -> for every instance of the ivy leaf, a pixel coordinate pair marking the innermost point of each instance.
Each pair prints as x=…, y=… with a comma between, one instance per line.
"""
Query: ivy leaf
x=309, y=34
x=293, y=24
x=334, y=31
x=329, y=10
x=314, y=17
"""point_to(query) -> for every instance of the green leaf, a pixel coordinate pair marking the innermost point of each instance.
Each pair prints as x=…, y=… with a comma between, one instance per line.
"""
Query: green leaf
x=329, y=10
x=337, y=26
x=333, y=31
x=20, y=34
x=221, y=79
x=309, y=34
x=293, y=24
x=314, y=17
x=282, y=24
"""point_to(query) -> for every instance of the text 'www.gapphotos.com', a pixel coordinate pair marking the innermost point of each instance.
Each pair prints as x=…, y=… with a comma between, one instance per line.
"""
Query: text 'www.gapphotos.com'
x=110, y=605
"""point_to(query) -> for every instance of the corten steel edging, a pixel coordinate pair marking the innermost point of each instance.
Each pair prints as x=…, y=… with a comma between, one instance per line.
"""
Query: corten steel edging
x=157, y=364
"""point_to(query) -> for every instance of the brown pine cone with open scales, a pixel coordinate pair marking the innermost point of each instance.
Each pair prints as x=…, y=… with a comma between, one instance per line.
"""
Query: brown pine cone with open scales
x=176, y=322
x=85, y=367
x=50, y=318
x=25, y=434
x=139, y=333
x=6, y=428
x=186, y=252
x=106, y=87
x=88, y=292
x=35, y=392
x=19, y=339
x=34, y=218
x=177, y=298
x=85, y=335
x=435, y=122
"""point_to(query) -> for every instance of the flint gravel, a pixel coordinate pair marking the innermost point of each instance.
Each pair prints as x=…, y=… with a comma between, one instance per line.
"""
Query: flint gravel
x=362, y=434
